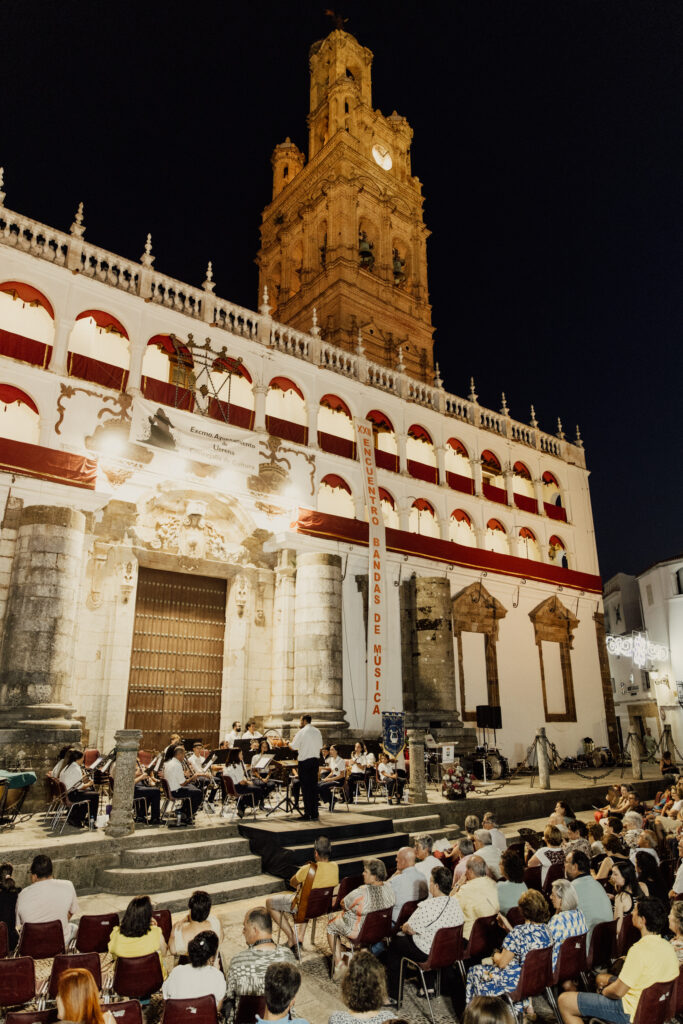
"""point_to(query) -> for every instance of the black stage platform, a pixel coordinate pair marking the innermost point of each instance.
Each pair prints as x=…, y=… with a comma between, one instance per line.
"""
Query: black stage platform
x=284, y=844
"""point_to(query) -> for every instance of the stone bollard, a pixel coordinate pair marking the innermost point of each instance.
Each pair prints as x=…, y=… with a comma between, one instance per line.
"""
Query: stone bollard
x=636, y=762
x=418, y=782
x=543, y=763
x=121, y=817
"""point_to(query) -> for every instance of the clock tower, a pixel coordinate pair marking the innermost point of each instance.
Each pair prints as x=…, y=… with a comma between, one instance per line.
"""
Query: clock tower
x=344, y=232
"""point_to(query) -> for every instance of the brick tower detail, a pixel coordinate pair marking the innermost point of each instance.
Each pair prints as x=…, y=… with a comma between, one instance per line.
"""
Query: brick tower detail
x=344, y=232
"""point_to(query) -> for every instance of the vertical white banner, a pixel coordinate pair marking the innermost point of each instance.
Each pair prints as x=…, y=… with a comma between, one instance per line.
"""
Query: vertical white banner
x=377, y=576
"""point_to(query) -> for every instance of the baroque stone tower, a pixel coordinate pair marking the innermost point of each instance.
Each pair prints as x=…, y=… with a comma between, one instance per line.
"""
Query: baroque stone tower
x=344, y=232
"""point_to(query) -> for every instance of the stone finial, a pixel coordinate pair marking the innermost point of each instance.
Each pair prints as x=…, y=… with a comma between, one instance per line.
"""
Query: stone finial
x=400, y=365
x=265, y=307
x=77, y=229
x=560, y=431
x=147, y=259
x=504, y=411
x=473, y=396
x=533, y=421
x=315, y=330
x=360, y=348
x=209, y=284
x=579, y=439
x=2, y=181
x=438, y=382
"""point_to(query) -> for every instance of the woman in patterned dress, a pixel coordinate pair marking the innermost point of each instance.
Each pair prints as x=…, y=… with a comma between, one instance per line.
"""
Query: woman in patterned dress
x=568, y=920
x=485, y=980
x=375, y=894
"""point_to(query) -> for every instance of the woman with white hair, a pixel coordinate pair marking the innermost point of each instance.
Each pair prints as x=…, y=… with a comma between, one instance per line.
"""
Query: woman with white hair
x=568, y=920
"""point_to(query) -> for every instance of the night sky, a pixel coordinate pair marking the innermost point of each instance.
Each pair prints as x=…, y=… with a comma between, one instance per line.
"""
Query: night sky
x=548, y=138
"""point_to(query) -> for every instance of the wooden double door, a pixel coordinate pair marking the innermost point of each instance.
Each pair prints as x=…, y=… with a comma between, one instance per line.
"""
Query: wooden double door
x=176, y=670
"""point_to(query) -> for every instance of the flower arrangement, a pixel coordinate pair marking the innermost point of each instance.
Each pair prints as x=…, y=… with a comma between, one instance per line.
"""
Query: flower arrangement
x=456, y=783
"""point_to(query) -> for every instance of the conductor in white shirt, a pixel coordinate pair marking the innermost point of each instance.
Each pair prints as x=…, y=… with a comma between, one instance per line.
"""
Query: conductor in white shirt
x=308, y=742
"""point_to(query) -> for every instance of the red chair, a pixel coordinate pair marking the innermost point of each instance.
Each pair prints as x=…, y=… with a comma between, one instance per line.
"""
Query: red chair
x=375, y=927
x=554, y=872
x=163, y=919
x=627, y=935
x=248, y=1007
x=137, y=977
x=4, y=940
x=32, y=1016
x=17, y=981
x=485, y=936
x=536, y=977
x=89, y=756
x=347, y=885
x=200, y=1010
x=319, y=903
x=408, y=908
x=601, y=946
x=66, y=962
x=446, y=949
x=127, y=1012
x=41, y=941
x=515, y=916
x=655, y=1003
x=677, y=1001
x=94, y=931
x=532, y=877
x=571, y=963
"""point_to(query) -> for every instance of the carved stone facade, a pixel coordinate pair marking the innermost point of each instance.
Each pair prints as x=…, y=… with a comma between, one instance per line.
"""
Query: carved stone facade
x=476, y=611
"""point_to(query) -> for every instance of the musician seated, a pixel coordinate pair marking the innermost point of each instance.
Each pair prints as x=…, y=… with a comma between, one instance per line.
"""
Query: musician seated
x=326, y=874
x=234, y=734
x=179, y=787
x=146, y=795
x=388, y=775
x=245, y=787
x=251, y=732
x=334, y=773
x=172, y=744
x=260, y=772
x=201, y=776
x=80, y=789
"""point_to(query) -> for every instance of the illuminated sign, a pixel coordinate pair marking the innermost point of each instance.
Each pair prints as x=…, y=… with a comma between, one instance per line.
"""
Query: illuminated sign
x=637, y=646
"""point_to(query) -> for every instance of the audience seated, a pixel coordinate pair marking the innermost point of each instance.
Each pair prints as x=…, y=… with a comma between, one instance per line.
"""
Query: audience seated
x=47, y=899
x=490, y=854
x=577, y=838
x=488, y=1010
x=425, y=860
x=472, y=823
x=326, y=875
x=512, y=884
x=464, y=849
x=594, y=902
x=138, y=934
x=8, y=903
x=612, y=796
x=408, y=883
x=246, y=971
x=649, y=874
x=200, y=977
x=627, y=889
x=595, y=836
x=677, y=887
x=477, y=893
x=568, y=919
x=490, y=823
x=375, y=894
x=78, y=1000
x=282, y=982
x=364, y=993
x=198, y=919
x=676, y=927
x=651, y=959
x=550, y=853
x=633, y=826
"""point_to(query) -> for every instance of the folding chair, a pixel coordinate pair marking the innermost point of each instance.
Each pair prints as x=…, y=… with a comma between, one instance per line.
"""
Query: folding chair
x=32, y=1016
x=199, y=1010
x=408, y=908
x=375, y=927
x=41, y=941
x=554, y=872
x=66, y=962
x=248, y=1007
x=532, y=877
x=655, y=1003
x=515, y=916
x=93, y=932
x=173, y=800
x=600, y=948
x=446, y=949
x=137, y=977
x=127, y=1012
x=571, y=963
x=535, y=979
x=347, y=885
x=485, y=936
x=319, y=904
x=165, y=922
x=231, y=794
x=339, y=787
x=627, y=935
x=17, y=981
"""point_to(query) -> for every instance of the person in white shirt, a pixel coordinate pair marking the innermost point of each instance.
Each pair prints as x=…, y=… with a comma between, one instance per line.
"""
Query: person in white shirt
x=251, y=732
x=247, y=790
x=390, y=778
x=179, y=787
x=426, y=862
x=489, y=853
x=47, y=899
x=199, y=977
x=61, y=761
x=308, y=742
x=497, y=837
x=334, y=772
x=80, y=790
x=235, y=733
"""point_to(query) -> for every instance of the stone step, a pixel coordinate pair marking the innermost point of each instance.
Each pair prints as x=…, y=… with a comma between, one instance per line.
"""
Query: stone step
x=175, y=900
x=343, y=849
x=215, y=849
x=165, y=877
x=415, y=826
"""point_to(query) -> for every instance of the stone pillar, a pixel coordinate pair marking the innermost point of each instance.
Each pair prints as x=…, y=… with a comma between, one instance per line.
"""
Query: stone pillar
x=636, y=764
x=477, y=476
x=312, y=417
x=282, y=689
x=260, y=392
x=543, y=762
x=433, y=690
x=441, y=464
x=418, y=780
x=510, y=487
x=318, y=641
x=37, y=650
x=137, y=355
x=121, y=818
x=538, y=491
x=60, y=347
x=402, y=443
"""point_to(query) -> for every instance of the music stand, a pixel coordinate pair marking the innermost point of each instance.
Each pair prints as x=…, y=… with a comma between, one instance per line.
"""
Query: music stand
x=286, y=754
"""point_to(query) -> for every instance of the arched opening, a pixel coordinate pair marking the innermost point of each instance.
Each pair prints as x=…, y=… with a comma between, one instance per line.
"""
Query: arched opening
x=389, y=512
x=523, y=487
x=420, y=455
x=335, y=427
x=423, y=519
x=495, y=538
x=167, y=372
x=528, y=545
x=231, y=393
x=552, y=497
x=386, y=447
x=493, y=484
x=335, y=497
x=286, y=411
x=460, y=529
x=557, y=552
x=458, y=467
x=27, y=327
x=99, y=350
x=19, y=416
x=400, y=267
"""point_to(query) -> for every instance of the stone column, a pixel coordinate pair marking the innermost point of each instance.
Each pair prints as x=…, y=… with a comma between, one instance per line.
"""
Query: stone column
x=538, y=491
x=260, y=392
x=477, y=476
x=543, y=762
x=441, y=464
x=38, y=637
x=60, y=346
x=318, y=641
x=418, y=780
x=312, y=418
x=636, y=763
x=121, y=818
x=510, y=487
x=282, y=688
x=402, y=443
x=137, y=355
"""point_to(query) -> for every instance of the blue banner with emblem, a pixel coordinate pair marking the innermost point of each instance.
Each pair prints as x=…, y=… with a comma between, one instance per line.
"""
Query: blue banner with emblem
x=393, y=732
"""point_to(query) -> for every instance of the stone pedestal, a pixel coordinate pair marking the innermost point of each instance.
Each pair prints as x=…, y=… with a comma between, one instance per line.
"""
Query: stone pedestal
x=418, y=780
x=318, y=643
x=121, y=818
x=38, y=638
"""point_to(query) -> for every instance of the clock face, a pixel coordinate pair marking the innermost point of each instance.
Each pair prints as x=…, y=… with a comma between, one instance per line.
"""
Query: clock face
x=382, y=156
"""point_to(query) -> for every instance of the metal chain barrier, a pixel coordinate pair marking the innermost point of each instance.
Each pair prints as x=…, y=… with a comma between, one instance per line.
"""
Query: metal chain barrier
x=524, y=763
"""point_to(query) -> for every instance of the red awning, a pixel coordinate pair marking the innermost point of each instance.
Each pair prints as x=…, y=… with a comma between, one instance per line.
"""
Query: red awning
x=423, y=506
x=285, y=384
x=165, y=342
x=104, y=320
x=419, y=433
x=332, y=480
x=521, y=470
x=490, y=460
x=385, y=496
x=229, y=365
x=457, y=446
x=527, y=534
x=555, y=542
x=380, y=421
x=336, y=404
x=461, y=517
x=47, y=464
x=27, y=293
x=549, y=478
x=9, y=394
x=494, y=524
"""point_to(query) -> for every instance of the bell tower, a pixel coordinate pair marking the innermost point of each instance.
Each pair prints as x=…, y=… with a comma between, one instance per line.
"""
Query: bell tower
x=344, y=232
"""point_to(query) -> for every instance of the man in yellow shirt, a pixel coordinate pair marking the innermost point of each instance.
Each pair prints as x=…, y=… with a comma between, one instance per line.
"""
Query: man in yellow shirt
x=652, y=959
x=477, y=894
x=326, y=874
